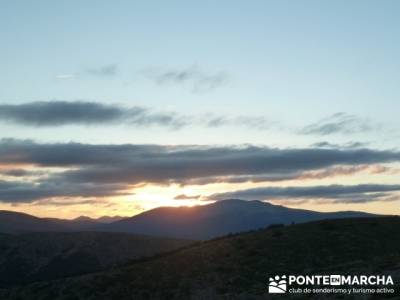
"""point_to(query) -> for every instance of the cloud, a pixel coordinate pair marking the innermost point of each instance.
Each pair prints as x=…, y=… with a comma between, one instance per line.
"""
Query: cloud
x=105, y=71
x=191, y=161
x=96, y=170
x=109, y=70
x=186, y=197
x=22, y=173
x=326, y=193
x=71, y=201
x=25, y=192
x=339, y=123
x=329, y=172
x=197, y=79
x=55, y=113
x=59, y=113
x=353, y=144
x=259, y=123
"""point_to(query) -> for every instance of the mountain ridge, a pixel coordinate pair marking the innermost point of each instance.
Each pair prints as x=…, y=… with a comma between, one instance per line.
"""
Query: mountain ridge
x=218, y=218
x=186, y=222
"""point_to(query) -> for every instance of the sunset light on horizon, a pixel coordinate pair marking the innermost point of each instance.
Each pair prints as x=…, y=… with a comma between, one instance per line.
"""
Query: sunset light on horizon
x=192, y=104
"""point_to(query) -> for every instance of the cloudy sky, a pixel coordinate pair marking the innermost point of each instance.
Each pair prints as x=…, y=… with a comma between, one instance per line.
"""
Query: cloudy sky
x=115, y=107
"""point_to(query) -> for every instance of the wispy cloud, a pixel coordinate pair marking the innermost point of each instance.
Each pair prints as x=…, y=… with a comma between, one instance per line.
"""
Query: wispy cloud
x=104, y=71
x=340, y=123
x=193, y=77
x=254, y=122
x=350, y=145
x=59, y=113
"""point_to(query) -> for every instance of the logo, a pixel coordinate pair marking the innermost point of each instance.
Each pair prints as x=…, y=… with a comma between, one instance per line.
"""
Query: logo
x=331, y=284
x=335, y=280
x=277, y=285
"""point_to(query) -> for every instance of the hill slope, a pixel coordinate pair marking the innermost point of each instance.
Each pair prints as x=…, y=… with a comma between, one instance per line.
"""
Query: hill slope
x=197, y=222
x=37, y=256
x=237, y=267
x=12, y=222
x=217, y=219
x=78, y=224
x=16, y=222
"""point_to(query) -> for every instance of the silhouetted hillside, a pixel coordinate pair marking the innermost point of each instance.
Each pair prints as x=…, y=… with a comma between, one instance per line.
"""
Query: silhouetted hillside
x=12, y=222
x=197, y=222
x=37, y=256
x=217, y=219
x=237, y=267
x=16, y=222
x=78, y=224
x=84, y=223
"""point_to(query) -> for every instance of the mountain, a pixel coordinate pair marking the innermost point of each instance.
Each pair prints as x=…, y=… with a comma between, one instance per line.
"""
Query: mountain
x=13, y=222
x=197, y=222
x=16, y=222
x=109, y=219
x=78, y=224
x=217, y=219
x=84, y=223
x=29, y=257
x=103, y=219
x=238, y=266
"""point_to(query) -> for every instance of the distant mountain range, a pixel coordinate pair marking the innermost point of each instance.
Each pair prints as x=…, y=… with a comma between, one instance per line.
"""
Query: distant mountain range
x=16, y=222
x=197, y=222
x=83, y=223
x=217, y=219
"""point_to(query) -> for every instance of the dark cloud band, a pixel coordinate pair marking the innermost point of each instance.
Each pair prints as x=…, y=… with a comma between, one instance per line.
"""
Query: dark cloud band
x=119, y=167
x=58, y=113
x=25, y=192
x=331, y=193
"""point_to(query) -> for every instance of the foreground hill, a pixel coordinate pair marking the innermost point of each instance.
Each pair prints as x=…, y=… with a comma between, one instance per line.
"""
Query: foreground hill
x=237, y=267
x=217, y=219
x=39, y=256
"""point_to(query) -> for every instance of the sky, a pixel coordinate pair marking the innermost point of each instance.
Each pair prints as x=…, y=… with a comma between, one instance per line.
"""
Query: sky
x=117, y=107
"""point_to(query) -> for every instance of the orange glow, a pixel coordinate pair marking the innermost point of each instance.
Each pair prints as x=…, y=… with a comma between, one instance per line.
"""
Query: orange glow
x=149, y=196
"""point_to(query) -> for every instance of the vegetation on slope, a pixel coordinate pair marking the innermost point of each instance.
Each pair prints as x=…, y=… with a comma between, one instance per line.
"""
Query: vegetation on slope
x=41, y=256
x=237, y=267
